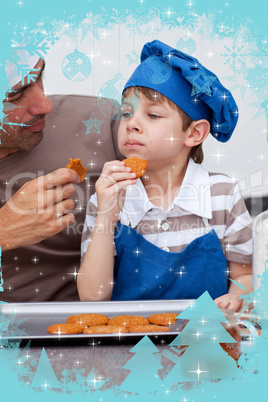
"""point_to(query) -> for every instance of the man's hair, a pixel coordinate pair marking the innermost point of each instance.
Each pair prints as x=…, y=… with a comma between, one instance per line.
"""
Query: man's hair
x=196, y=152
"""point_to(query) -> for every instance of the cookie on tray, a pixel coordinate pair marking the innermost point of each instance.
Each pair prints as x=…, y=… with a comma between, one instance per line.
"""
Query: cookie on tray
x=88, y=319
x=163, y=318
x=137, y=165
x=65, y=328
x=148, y=328
x=128, y=320
x=105, y=329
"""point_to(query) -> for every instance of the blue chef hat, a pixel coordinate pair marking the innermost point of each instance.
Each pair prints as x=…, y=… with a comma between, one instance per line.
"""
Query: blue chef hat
x=183, y=80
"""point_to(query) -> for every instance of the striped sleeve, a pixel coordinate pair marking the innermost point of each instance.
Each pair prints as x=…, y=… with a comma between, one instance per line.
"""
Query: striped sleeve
x=233, y=221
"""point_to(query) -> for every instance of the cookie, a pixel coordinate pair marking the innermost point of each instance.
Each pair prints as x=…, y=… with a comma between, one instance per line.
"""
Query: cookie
x=105, y=329
x=128, y=320
x=137, y=165
x=65, y=328
x=148, y=328
x=76, y=165
x=88, y=319
x=163, y=318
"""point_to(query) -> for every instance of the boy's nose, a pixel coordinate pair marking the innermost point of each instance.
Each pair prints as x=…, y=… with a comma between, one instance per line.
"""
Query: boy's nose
x=133, y=124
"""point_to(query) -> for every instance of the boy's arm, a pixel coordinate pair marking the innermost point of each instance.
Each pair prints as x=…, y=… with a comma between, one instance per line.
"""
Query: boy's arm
x=95, y=277
x=240, y=274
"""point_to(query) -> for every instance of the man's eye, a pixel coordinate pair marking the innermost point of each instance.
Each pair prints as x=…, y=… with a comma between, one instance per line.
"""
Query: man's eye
x=154, y=116
x=12, y=97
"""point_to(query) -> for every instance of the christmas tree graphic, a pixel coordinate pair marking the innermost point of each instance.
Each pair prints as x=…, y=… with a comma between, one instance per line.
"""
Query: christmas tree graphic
x=204, y=358
x=144, y=367
x=45, y=378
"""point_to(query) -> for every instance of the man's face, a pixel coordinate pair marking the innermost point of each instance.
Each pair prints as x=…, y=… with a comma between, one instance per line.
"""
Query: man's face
x=25, y=108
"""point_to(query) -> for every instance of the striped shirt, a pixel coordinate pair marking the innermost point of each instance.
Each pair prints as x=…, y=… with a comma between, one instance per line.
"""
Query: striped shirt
x=204, y=201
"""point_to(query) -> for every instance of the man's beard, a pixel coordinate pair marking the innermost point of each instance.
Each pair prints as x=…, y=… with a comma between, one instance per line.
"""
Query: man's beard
x=20, y=138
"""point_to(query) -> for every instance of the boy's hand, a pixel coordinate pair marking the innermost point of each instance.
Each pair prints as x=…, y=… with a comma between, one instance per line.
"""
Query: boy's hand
x=230, y=301
x=110, y=188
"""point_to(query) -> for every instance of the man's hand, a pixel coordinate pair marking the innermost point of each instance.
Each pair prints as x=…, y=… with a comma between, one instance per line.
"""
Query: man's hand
x=40, y=209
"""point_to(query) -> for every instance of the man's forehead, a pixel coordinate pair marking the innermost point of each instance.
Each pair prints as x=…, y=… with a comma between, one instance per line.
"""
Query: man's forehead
x=20, y=61
x=35, y=72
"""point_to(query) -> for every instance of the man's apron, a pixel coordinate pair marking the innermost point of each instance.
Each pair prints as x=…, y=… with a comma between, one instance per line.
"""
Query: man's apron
x=144, y=271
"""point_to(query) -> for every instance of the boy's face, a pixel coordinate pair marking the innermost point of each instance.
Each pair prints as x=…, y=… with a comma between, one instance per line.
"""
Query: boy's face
x=151, y=130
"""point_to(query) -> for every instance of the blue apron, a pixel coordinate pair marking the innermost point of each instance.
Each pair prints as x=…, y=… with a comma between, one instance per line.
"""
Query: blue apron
x=144, y=271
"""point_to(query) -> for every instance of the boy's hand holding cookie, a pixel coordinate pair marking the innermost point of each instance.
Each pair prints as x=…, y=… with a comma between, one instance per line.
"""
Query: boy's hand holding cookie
x=110, y=186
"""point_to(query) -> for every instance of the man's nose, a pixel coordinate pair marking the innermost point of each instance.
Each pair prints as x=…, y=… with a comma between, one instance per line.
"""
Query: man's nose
x=40, y=104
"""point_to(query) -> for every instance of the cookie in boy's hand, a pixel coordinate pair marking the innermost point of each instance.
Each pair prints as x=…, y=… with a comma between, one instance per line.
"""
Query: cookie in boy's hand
x=137, y=165
x=76, y=165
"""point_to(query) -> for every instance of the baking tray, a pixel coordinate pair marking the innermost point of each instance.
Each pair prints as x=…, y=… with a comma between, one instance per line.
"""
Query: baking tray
x=29, y=321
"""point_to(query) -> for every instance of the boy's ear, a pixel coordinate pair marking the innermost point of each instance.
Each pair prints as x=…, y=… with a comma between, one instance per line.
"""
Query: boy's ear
x=198, y=132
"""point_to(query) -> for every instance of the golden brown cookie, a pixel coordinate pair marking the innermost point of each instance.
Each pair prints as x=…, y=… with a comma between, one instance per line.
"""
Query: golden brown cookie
x=88, y=319
x=128, y=320
x=105, y=329
x=148, y=328
x=76, y=165
x=163, y=318
x=65, y=328
x=137, y=165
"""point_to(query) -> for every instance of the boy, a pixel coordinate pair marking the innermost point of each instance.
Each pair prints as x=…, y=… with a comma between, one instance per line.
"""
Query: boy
x=179, y=230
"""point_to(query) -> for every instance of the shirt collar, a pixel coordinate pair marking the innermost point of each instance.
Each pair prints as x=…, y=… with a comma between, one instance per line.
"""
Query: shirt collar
x=194, y=197
x=136, y=205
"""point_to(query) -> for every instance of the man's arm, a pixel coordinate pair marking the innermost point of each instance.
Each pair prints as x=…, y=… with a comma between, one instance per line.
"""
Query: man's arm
x=40, y=209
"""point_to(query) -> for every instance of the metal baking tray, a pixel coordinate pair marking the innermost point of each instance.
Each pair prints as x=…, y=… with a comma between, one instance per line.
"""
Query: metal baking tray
x=26, y=321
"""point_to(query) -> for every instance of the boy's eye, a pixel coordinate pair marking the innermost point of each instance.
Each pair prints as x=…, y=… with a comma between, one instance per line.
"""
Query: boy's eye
x=125, y=115
x=154, y=116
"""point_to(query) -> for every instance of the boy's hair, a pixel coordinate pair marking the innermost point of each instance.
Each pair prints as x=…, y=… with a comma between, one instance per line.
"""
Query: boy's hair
x=196, y=152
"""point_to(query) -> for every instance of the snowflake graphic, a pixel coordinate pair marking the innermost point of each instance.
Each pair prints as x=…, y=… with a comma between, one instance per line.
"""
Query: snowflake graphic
x=133, y=58
x=262, y=107
x=238, y=79
x=50, y=30
x=259, y=53
x=234, y=54
x=93, y=124
x=134, y=29
x=257, y=78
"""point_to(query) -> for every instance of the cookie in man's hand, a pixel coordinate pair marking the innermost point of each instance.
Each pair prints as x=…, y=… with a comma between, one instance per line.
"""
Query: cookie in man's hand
x=76, y=165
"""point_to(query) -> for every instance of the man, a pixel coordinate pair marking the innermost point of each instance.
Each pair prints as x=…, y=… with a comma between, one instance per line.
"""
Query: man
x=42, y=206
